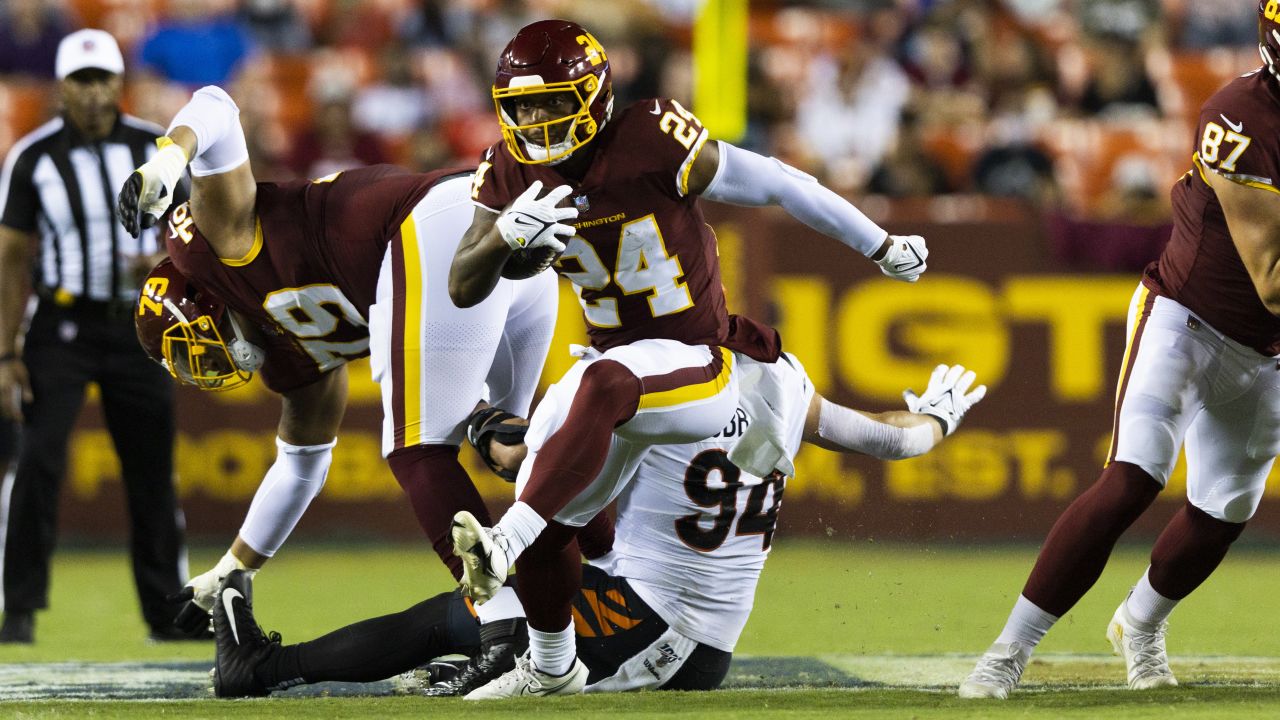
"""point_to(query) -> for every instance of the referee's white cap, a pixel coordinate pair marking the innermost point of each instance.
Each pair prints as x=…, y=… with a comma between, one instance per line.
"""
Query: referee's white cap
x=88, y=49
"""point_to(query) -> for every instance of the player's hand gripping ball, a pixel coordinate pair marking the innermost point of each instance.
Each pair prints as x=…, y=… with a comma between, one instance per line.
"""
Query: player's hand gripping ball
x=527, y=262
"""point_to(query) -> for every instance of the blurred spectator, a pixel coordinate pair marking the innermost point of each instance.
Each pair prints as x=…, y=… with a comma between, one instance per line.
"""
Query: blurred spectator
x=1131, y=20
x=396, y=104
x=908, y=170
x=275, y=25
x=1013, y=166
x=428, y=150
x=1118, y=86
x=194, y=46
x=851, y=111
x=1214, y=23
x=1134, y=194
x=355, y=23
x=332, y=143
x=29, y=34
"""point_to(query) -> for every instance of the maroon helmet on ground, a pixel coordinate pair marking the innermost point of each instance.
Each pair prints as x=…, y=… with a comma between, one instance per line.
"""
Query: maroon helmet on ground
x=1269, y=35
x=183, y=329
x=552, y=56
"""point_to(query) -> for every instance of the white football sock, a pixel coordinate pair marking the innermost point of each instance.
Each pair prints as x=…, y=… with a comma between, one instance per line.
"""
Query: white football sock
x=504, y=605
x=522, y=525
x=553, y=652
x=288, y=488
x=1027, y=624
x=1147, y=607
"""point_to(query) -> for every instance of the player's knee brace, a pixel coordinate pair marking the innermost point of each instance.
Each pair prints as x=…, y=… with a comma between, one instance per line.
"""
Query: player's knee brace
x=289, y=486
x=215, y=119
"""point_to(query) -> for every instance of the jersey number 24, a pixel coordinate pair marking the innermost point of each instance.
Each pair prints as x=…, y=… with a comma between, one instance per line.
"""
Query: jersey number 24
x=643, y=266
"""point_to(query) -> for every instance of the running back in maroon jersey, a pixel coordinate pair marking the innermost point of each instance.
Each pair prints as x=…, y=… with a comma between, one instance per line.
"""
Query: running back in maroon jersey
x=644, y=261
x=1238, y=138
x=312, y=274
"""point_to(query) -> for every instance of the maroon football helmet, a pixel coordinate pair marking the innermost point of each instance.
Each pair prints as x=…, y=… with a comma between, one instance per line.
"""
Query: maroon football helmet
x=1269, y=34
x=183, y=329
x=552, y=56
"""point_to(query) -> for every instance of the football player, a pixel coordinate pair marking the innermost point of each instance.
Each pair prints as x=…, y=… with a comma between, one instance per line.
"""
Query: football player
x=1200, y=368
x=295, y=280
x=665, y=355
x=663, y=609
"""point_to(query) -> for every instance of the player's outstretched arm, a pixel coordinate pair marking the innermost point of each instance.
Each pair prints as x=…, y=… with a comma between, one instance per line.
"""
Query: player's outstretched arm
x=305, y=438
x=206, y=135
x=896, y=435
x=1253, y=217
x=726, y=173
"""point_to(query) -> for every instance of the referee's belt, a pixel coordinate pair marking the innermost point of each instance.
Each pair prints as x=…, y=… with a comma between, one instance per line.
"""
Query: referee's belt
x=65, y=300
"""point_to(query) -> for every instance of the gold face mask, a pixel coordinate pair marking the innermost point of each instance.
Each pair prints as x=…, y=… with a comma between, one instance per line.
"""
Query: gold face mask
x=196, y=354
x=532, y=143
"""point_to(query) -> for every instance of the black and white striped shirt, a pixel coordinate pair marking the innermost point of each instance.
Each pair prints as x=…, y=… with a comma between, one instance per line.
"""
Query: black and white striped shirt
x=64, y=186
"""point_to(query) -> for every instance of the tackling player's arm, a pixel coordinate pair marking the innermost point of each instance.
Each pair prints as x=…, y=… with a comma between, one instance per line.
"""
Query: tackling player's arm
x=896, y=435
x=729, y=174
x=1253, y=217
x=15, y=265
x=206, y=135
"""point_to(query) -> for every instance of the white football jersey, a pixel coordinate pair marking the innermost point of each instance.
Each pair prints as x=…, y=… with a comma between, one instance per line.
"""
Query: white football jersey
x=693, y=530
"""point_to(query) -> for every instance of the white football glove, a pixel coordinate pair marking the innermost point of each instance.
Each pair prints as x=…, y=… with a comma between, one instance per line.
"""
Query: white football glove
x=531, y=222
x=148, y=193
x=905, y=258
x=948, y=396
x=201, y=592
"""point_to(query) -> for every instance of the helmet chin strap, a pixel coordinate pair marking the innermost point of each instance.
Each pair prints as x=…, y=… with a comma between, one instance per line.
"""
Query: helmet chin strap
x=247, y=356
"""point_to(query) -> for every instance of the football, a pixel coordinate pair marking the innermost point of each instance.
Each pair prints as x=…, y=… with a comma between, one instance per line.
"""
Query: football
x=527, y=262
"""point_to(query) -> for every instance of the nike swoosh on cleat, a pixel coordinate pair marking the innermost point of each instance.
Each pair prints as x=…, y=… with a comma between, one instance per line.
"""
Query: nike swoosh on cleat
x=1234, y=126
x=229, y=595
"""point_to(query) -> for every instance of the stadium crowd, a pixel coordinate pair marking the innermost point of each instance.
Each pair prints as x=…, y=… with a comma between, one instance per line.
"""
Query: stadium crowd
x=1081, y=104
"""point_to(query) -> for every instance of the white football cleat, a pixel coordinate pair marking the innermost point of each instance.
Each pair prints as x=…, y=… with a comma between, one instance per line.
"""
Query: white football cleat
x=527, y=680
x=997, y=672
x=484, y=556
x=1143, y=651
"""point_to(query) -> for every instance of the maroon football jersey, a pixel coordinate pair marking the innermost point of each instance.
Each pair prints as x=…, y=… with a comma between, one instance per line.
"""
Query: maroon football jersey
x=312, y=274
x=644, y=261
x=1239, y=138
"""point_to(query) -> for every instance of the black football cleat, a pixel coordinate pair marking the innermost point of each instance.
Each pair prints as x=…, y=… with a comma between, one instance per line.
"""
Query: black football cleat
x=241, y=646
x=502, y=642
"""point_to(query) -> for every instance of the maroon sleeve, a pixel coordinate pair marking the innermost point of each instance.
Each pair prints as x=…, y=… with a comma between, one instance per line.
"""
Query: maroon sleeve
x=1238, y=137
x=664, y=138
x=497, y=180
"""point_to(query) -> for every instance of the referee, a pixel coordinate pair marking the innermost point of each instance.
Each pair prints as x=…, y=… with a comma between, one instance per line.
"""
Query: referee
x=56, y=198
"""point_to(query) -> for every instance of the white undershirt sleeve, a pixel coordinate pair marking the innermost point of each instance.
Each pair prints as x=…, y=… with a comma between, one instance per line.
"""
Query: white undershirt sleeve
x=854, y=431
x=289, y=486
x=745, y=178
x=215, y=119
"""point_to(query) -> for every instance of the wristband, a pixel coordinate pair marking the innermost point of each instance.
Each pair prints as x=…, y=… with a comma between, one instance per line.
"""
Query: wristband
x=8, y=357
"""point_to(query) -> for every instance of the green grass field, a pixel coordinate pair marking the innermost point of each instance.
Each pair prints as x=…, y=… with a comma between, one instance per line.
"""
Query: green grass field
x=897, y=625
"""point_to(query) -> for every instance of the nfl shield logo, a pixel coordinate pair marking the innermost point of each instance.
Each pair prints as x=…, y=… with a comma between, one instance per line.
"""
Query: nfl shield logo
x=581, y=203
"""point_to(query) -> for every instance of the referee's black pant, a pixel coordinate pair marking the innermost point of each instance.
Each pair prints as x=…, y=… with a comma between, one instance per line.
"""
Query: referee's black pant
x=65, y=349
